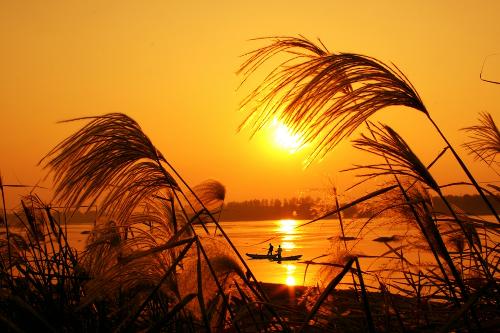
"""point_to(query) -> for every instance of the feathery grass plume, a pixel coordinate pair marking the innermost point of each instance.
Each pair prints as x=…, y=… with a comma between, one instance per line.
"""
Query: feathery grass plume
x=137, y=254
x=416, y=208
x=421, y=201
x=485, y=139
x=320, y=95
x=159, y=220
x=211, y=193
x=403, y=161
x=47, y=283
x=112, y=161
x=109, y=158
x=226, y=269
x=325, y=96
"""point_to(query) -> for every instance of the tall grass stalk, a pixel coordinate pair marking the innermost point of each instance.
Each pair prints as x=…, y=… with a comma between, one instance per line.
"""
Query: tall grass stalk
x=466, y=170
x=366, y=305
x=134, y=315
x=331, y=286
x=219, y=286
x=111, y=160
x=414, y=164
x=6, y=225
x=339, y=216
x=325, y=96
x=199, y=279
x=401, y=160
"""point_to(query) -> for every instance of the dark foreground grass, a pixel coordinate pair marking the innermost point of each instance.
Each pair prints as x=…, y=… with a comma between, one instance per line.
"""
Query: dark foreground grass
x=47, y=286
x=147, y=268
x=343, y=312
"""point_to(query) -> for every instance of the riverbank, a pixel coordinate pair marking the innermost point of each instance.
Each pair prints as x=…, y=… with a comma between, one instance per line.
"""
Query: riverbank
x=344, y=311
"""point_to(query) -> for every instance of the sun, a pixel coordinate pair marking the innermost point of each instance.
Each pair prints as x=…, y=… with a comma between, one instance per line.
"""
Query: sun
x=285, y=138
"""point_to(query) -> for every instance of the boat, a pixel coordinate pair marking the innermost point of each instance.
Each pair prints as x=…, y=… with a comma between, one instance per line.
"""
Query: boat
x=273, y=257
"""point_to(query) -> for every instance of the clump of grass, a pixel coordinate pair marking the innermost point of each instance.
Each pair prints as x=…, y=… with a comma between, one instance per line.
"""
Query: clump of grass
x=324, y=96
x=148, y=267
x=41, y=279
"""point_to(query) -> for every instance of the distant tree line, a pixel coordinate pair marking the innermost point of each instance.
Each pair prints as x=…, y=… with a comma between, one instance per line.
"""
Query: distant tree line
x=296, y=208
x=265, y=209
x=470, y=204
x=309, y=208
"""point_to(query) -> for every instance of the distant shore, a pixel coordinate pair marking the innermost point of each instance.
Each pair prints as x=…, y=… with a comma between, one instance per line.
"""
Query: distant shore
x=300, y=209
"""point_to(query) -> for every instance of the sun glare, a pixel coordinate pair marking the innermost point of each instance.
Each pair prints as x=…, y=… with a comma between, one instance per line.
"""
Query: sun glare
x=287, y=226
x=290, y=281
x=285, y=138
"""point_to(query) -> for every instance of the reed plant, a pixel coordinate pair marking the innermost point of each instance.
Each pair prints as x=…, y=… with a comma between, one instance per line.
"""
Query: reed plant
x=149, y=263
x=324, y=97
x=484, y=141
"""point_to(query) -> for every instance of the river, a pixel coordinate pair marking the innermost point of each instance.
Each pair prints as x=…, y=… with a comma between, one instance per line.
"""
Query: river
x=311, y=241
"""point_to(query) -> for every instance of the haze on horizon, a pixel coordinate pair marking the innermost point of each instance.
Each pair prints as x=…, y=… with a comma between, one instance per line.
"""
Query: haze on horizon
x=171, y=67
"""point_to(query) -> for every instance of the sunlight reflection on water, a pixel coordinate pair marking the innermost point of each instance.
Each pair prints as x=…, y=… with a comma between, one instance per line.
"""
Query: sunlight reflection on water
x=311, y=241
x=287, y=226
x=288, y=233
x=290, y=280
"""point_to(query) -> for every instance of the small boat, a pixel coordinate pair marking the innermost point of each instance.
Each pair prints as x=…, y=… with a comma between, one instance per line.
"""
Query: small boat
x=273, y=257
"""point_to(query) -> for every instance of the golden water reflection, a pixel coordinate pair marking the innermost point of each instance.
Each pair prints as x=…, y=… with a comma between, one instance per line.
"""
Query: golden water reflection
x=290, y=278
x=287, y=226
x=289, y=234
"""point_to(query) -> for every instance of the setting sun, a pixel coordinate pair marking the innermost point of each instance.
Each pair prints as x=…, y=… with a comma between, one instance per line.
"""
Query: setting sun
x=285, y=138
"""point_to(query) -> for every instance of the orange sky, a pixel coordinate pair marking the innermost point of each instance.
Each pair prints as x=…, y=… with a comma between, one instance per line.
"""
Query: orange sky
x=171, y=66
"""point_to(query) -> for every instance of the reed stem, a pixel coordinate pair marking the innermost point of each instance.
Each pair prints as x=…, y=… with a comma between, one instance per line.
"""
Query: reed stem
x=6, y=228
x=466, y=170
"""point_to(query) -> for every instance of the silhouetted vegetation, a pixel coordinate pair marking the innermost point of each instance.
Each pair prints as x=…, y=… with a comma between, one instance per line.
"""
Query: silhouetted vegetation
x=324, y=97
x=147, y=268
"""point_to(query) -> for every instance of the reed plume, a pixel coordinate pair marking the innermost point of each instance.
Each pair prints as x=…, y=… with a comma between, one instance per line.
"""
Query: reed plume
x=211, y=192
x=323, y=96
x=144, y=252
x=110, y=158
x=401, y=160
x=485, y=139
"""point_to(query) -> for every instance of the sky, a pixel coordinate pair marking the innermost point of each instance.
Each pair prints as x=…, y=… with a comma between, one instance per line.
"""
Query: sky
x=171, y=65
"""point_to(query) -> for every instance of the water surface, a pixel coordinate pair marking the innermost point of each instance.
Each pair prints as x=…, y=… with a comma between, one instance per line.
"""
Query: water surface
x=311, y=241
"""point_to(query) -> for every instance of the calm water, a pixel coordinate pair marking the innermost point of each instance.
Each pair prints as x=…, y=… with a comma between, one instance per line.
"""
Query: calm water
x=312, y=241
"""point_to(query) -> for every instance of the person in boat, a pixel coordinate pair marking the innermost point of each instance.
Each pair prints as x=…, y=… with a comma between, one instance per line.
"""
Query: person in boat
x=270, y=250
x=278, y=252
